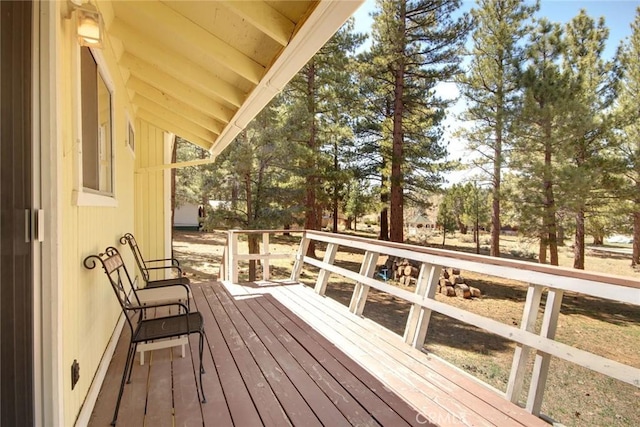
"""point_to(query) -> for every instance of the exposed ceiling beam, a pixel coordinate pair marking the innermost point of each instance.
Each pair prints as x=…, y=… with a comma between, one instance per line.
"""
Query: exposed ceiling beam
x=263, y=17
x=180, y=90
x=179, y=165
x=178, y=26
x=175, y=64
x=211, y=127
x=170, y=116
x=168, y=102
x=327, y=17
x=173, y=128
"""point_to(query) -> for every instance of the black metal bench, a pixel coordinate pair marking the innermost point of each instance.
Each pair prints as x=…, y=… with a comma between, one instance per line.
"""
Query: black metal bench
x=147, y=266
x=145, y=329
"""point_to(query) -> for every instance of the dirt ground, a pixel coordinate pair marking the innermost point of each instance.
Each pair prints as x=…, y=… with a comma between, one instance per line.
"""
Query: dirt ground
x=574, y=396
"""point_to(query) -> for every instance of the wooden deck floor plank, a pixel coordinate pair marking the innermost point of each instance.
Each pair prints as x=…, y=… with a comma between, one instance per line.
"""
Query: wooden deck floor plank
x=276, y=373
x=228, y=400
x=264, y=399
x=252, y=339
x=106, y=402
x=452, y=380
x=402, y=379
x=436, y=387
x=134, y=396
x=160, y=397
x=483, y=402
x=347, y=404
x=186, y=401
x=314, y=396
x=473, y=394
x=412, y=388
x=216, y=407
x=490, y=398
x=386, y=407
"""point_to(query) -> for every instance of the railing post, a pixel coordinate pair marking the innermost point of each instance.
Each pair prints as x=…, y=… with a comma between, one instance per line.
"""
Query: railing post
x=419, y=317
x=265, y=261
x=541, y=364
x=233, y=257
x=323, y=275
x=360, y=291
x=521, y=354
x=299, y=258
x=223, y=264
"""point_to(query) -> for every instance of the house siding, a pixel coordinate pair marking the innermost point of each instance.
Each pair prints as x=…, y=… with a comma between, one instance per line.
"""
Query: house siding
x=150, y=220
x=90, y=312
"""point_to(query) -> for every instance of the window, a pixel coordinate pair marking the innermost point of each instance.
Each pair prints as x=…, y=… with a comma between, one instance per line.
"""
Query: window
x=97, y=125
x=131, y=137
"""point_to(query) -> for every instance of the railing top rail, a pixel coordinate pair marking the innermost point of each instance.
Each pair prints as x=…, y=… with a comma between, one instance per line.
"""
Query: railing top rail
x=237, y=231
x=569, y=273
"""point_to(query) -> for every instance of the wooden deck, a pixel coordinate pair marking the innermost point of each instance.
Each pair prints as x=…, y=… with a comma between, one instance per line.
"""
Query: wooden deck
x=269, y=362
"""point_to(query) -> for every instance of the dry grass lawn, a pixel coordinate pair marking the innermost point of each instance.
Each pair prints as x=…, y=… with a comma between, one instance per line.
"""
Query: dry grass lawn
x=574, y=396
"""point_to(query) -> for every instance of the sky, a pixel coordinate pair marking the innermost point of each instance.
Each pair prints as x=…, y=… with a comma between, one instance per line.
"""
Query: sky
x=618, y=14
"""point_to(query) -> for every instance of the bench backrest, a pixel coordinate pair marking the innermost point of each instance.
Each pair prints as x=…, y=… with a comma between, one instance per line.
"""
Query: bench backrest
x=120, y=280
x=137, y=254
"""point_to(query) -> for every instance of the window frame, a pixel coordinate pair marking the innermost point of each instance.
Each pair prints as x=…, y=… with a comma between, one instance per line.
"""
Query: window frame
x=84, y=196
x=130, y=140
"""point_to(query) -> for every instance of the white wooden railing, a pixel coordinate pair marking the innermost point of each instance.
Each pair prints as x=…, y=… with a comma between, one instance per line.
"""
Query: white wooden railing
x=232, y=255
x=540, y=278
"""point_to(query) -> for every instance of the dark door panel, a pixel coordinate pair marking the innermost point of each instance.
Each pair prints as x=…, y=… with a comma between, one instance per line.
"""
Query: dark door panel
x=16, y=281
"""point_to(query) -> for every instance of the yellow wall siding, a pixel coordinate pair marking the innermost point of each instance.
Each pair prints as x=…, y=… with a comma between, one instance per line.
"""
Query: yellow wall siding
x=149, y=192
x=90, y=310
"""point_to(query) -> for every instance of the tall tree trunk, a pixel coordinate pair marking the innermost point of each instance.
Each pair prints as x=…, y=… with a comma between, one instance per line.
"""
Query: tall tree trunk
x=174, y=156
x=397, y=157
x=336, y=167
x=311, y=180
x=635, y=255
x=234, y=195
x=542, y=250
x=252, y=238
x=561, y=236
x=384, y=212
x=578, y=243
x=204, y=201
x=497, y=178
x=598, y=239
x=252, y=241
x=549, y=200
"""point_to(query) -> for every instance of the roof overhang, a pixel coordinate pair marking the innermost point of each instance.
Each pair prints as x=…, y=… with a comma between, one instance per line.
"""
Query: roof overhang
x=204, y=69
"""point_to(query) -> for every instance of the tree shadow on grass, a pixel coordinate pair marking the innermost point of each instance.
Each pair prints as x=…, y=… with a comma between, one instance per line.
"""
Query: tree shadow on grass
x=218, y=238
x=450, y=332
x=617, y=313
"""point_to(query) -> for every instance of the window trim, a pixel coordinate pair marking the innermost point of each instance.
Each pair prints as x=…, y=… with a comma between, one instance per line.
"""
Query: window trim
x=131, y=135
x=81, y=195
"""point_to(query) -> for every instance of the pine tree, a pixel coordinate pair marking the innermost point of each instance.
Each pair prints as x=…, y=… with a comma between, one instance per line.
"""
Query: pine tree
x=628, y=109
x=490, y=87
x=592, y=81
x=416, y=45
x=542, y=131
x=317, y=99
x=446, y=218
x=373, y=129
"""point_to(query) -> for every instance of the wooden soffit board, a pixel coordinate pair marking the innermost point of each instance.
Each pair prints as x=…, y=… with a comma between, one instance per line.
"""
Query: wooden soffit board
x=206, y=68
